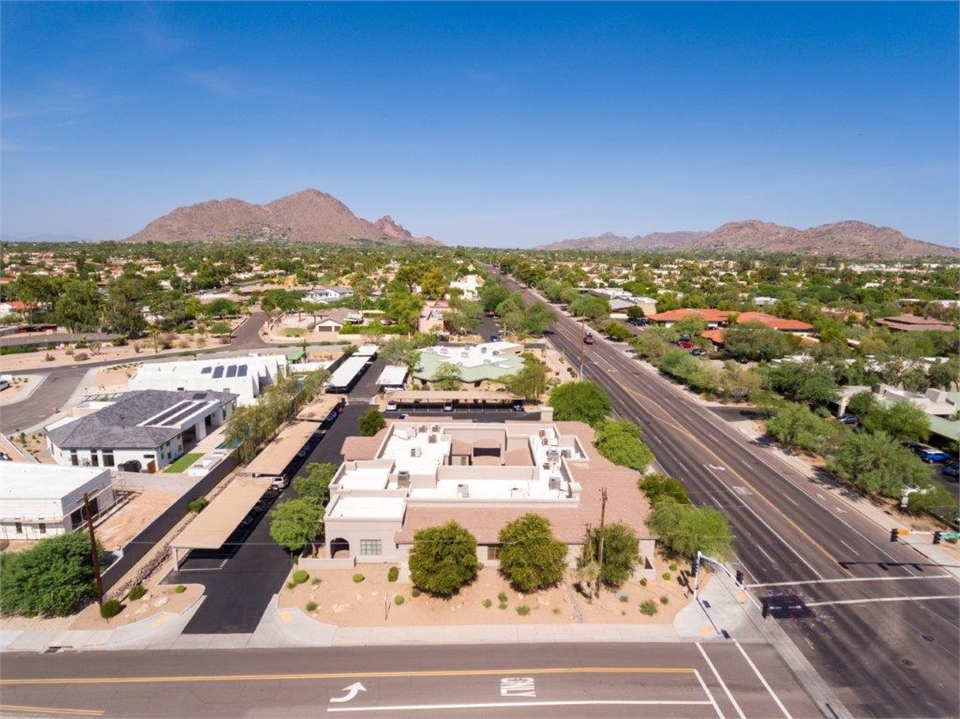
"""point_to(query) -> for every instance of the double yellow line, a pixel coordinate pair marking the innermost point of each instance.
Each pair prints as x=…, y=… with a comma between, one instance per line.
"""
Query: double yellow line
x=51, y=710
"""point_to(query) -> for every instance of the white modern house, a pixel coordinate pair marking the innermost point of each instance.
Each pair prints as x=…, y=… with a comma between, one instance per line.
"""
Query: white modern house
x=476, y=363
x=468, y=286
x=246, y=377
x=143, y=430
x=43, y=500
x=325, y=295
x=417, y=474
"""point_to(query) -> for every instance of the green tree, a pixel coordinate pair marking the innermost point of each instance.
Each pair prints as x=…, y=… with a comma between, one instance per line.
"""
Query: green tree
x=621, y=552
x=295, y=522
x=589, y=306
x=371, y=422
x=403, y=308
x=651, y=346
x=221, y=307
x=447, y=377
x=944, y=374
x=754, y=341
x=659, y=486
x=616, y=331
x=443, y=559
x=123, y=309
x=862, y=403
x=876, y=463
x=399, y=351
x=315, y=483
x=492, y=293
x=537, y=319
x=901, y=420
x=50, y=578
x=530, y=556
x=78, y=308
x=580, y=402
x=935, y=499
x=795, y=426
x=635, y=312
x=531, y=381
x=814, y=385
x=619, y=441
x=684, y=529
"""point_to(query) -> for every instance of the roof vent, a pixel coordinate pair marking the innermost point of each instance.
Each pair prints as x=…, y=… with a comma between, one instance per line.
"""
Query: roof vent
x=432, y=439
x=463, y=491
x=414, y=451
x=403, y=479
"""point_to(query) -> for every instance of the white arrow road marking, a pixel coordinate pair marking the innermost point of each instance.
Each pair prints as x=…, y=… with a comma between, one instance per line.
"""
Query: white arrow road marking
x=719, y=469
x=351, y=691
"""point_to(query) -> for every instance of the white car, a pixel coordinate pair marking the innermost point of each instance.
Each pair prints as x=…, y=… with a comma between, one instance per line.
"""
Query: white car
x=392, y=407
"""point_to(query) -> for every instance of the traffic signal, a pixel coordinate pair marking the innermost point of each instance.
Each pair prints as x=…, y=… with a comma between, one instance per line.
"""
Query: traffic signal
x=936, y=537
x=893, y=534
x=695, y=567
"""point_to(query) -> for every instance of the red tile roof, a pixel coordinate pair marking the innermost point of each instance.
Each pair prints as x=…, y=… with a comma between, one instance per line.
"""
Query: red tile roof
x=913, y=323
x=715, y=336
x=776, y=323
x=706, y=314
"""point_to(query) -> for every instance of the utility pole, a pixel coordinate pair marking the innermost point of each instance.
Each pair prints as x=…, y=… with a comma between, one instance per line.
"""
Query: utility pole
x=93, y=547
x=603, y=511
x=583, y=325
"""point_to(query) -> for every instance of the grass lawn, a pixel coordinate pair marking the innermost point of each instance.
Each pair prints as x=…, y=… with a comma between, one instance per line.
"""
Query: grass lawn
x=295, y=332
x=182, y=463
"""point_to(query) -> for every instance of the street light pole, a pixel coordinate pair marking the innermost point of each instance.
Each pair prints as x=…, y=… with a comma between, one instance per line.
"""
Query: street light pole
x=93, y=547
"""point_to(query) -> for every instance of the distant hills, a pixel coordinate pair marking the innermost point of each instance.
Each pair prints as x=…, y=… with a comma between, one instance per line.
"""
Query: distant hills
x=852, y=239
x=306, y=216
x=44, y=238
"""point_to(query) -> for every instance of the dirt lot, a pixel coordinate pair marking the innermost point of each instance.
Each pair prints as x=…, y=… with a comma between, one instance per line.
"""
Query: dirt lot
x=142, y=508
x=162, y=598
x=343, y=602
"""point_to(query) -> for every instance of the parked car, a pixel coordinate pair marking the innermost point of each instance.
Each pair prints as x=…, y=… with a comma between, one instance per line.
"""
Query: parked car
x=518, y=407
x=280, y=483
x=259, y=507
x=304, y=451
x=848, y=419
x=4, y=383
x=403, y=415
x=934, y=456
x=951, y=470
x=391, y=406
x=697, y=352
x=743, y=360
x=494, y=338
x=448, y=407
x=248, y=520
x=685, y=344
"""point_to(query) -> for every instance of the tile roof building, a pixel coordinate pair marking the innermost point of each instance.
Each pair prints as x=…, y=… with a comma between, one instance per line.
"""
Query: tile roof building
x=416, y=474
x=913, y=323
x=148, y=427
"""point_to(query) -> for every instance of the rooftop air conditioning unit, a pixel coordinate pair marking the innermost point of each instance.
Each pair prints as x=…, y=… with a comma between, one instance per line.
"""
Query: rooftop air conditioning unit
x=414, y=451
x=423, y=428
x=543, y=433
x=403, y=479
x=554, y=483
x=436, y=428
x=544, y=441
x=567, y=452
x=433, y=439
x=463, y=491
x=483, y=350
x=553, y=454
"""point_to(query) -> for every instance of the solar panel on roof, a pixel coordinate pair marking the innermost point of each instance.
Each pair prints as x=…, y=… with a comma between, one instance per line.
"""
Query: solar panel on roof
x=218, y=372
x=180, y=416
x=232, y=371
x=206, y=370
x=199, y=395
x=161, y=418
x=242, y=371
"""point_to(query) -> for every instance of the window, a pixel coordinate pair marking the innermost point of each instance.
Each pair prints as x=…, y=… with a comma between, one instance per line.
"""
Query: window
x=108, y=459
x=18, y=527
x=371, y=547
x=74, y=459
x=42, y=527
x=493, y=552
x=94, y=459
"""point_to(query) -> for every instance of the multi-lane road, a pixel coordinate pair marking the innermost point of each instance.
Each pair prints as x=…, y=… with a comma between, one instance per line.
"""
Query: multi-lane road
x=885, y=631
x=686, y=681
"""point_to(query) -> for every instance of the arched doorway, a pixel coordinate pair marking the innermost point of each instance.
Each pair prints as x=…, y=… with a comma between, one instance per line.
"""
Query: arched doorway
x=339, y=545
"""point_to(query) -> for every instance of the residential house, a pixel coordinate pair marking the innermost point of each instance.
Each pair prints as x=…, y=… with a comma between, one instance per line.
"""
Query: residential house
x=245, y=377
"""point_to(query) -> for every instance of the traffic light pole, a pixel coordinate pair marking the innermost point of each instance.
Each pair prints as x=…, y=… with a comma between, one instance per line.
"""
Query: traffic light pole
x=700, y=559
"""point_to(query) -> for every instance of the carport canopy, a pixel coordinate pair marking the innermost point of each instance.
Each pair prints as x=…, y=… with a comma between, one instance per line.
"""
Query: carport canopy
x=214, y=525
x=470, y=396
x=280, y=452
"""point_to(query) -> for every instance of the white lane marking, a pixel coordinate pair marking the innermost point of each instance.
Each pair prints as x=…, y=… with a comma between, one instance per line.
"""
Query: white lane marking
x=848, y=579
x=884, y=599
x=790, y=499
x=763, y=681
x=709, y=693
x=849, y=547
x=723, y=684
x=498, y=705
x=682, y=466
x=770, y=529
x=765, y=554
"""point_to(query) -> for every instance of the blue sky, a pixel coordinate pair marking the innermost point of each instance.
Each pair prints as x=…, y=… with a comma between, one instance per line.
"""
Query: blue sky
x=486, y=124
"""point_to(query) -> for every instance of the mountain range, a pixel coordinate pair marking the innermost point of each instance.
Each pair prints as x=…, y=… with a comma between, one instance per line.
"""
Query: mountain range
x=306, y=216
x=852, y=239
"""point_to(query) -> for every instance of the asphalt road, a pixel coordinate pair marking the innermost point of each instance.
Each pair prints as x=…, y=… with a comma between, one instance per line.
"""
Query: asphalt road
x=61, y=382
x=885, y=631
x=686, y=681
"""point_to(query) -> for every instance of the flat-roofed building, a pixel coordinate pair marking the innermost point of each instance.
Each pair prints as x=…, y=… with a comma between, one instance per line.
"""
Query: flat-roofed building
x=477, y=363
x=417, y=474
x=246, y=377
x=43, y=500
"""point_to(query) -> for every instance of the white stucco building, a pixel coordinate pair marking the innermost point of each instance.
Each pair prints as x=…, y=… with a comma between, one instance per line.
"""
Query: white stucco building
x=43, y=500
x=246, y=377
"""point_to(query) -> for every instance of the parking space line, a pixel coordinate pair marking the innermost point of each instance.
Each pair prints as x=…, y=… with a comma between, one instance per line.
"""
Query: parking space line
x=706, y=689
x=723, y=684
x=763, y=681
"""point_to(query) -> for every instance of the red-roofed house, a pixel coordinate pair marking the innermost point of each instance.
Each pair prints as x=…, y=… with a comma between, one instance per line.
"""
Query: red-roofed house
x=772, y=322
x=711, y=316
x=421, y=473
x=913, y=323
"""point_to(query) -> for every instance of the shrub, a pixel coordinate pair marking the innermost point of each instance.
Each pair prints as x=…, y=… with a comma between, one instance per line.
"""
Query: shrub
x=664, y=600
x=110, y=608
x=443, y=559
x=530, y=556
x=180, y=589
x=315, y=581
x=291, y=585
x=398, y=600
x=311, y=606
x=673, y=566
x=648, y=608
x=643, y=582
x=666, y=576
x=357, y=578
x=624, y=597
x=487, y=603
x=198, y=505
x=556, y=610
x=393, y=574
x=81, y=356
x=48, y=357
x=137, y=592
x=503, y=605
x=301, y=575
x=502, y=596
x=523, y=610
x=415, y=592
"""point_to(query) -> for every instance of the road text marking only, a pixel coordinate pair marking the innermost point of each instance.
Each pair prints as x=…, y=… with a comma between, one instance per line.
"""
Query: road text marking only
x=517, y=687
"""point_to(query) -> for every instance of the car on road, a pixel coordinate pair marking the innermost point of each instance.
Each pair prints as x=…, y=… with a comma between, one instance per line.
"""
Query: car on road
x=4, y=383
x=951, y=470
x=934, y=456
x=403, y=415
x=588, y=338
x=494, y=338
x=391, y=406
